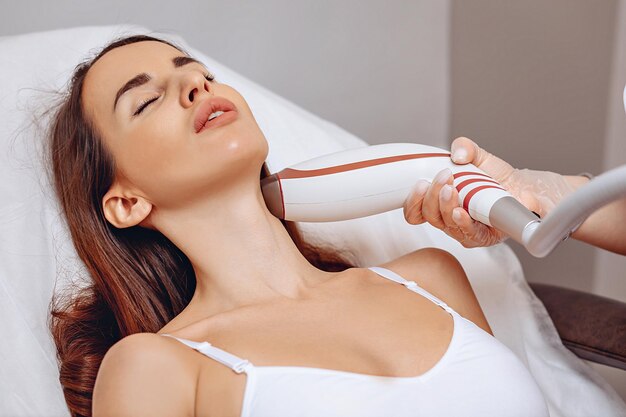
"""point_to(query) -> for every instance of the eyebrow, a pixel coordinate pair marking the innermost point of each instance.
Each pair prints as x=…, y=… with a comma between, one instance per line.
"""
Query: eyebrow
x=141, y=79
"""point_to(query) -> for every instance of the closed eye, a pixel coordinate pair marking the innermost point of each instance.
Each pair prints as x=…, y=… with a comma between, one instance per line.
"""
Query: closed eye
x=144, y=104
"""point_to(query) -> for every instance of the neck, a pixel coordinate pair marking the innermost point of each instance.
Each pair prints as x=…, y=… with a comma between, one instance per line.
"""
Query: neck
x=241, y=254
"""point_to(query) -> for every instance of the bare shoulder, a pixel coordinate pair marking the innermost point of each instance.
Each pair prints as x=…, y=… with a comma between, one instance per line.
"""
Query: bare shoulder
x=144, y=375
x=441, y=274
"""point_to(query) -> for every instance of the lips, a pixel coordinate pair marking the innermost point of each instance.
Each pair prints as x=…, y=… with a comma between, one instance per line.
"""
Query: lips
x=211, y=106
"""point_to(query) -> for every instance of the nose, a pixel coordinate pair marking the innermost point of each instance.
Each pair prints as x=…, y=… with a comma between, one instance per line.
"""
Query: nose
x=194, y=85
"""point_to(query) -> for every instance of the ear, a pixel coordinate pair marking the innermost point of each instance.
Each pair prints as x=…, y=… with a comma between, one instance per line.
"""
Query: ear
x=124, y=209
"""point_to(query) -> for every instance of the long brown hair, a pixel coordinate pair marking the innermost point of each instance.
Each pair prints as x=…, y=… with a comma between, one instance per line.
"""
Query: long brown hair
x=139, y=280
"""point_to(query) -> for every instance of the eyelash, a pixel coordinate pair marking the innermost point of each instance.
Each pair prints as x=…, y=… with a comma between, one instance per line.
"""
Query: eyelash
x=209, y=77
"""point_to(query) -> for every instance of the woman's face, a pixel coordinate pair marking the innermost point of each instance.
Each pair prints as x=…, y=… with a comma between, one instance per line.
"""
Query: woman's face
x=158, y=153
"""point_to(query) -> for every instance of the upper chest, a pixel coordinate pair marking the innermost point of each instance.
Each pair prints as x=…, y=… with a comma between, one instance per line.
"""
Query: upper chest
x=371, y=328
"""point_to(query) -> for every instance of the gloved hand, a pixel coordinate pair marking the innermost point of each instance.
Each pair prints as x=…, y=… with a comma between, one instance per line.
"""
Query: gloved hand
x=438, y=202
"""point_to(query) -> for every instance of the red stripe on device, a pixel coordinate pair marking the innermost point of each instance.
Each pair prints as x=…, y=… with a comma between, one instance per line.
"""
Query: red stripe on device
x=464, y=173
x=469, y=195
x=460, y=186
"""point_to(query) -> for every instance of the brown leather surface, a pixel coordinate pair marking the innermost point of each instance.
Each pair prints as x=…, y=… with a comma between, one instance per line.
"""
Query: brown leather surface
x=591, y=326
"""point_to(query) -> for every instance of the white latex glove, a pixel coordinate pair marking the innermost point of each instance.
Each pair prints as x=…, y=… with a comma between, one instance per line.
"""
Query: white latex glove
x=539, y=191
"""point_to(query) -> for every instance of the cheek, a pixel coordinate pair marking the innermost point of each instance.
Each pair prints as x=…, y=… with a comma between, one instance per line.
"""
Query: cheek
x=156, y=154
x=170, y=164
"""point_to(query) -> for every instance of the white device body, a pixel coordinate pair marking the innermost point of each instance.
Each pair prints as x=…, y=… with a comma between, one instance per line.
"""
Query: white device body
x=374, y=179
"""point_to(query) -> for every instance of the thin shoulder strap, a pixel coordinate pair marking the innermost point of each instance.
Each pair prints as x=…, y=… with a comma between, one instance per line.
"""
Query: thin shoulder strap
x=235, y=363
x=411, y=285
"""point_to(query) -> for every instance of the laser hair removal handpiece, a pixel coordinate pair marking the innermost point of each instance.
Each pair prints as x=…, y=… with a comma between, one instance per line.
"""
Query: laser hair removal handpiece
x=378, y=178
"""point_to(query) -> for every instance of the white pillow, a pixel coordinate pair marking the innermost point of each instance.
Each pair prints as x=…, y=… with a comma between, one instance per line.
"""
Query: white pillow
x=36, y=252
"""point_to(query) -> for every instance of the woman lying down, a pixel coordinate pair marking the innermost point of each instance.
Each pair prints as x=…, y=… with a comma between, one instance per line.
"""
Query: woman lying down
x=204, y=304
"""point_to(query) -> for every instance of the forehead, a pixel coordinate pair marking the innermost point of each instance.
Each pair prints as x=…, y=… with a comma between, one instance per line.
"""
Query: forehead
x=119, y=65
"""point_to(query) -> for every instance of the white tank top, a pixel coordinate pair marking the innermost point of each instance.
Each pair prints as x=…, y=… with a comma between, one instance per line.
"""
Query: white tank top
x=477, y=376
